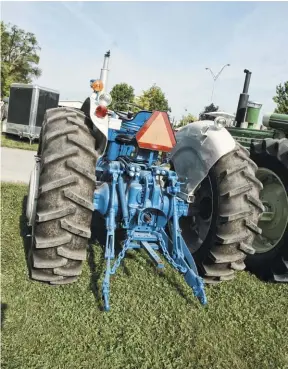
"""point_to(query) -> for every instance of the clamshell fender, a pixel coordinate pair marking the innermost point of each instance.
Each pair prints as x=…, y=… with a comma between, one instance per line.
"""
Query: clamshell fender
x=100, y=126
x=199, y=146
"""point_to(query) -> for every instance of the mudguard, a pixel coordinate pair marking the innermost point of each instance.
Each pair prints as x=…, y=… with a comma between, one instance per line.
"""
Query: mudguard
x=199, y=146
x=102, y=124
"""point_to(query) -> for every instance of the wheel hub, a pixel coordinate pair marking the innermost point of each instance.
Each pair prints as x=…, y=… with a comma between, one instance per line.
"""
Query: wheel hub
x=273, y=221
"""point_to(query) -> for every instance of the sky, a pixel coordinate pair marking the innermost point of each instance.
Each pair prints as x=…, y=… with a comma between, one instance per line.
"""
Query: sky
x=167, y=43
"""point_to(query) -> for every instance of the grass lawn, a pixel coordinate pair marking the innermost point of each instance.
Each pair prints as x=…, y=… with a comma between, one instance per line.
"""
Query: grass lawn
x=15, y=142
x=154, y=322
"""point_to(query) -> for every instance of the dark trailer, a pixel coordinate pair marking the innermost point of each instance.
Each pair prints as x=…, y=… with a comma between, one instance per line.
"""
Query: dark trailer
x=27, y=106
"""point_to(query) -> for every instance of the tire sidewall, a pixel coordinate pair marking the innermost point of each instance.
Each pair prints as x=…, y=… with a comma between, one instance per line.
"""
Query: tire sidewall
x=201, y=254
x=33, y=194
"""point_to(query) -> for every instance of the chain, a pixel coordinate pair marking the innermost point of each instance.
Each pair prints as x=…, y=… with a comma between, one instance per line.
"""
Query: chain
x=197, y=290
x=178, y=267
x=120, y=256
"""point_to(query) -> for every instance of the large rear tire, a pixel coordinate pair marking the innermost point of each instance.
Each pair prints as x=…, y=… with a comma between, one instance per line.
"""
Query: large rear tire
x=227, y=210
x=270, y=260
x=65, y=197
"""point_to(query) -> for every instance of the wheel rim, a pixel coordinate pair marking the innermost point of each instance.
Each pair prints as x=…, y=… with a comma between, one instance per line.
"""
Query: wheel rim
x=196, y=225
x=33, y=194
x=273, y=221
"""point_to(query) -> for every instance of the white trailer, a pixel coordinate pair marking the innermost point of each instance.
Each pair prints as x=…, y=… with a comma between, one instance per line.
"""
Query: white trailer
x=71, y=103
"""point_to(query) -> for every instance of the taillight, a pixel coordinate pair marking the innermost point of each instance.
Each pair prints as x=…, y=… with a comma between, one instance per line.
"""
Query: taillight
x=101, y=111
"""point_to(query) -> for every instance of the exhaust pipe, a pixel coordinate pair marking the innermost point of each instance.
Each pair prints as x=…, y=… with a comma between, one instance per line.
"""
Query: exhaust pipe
x=243, y=100
x=105, y=70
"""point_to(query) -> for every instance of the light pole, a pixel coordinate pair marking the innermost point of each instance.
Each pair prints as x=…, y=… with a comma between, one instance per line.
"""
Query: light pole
x=215, y=77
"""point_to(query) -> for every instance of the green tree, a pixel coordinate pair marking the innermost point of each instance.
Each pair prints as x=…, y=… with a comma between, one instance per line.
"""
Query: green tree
x=208, y=109
x=186, y=119
x=122, y=92
x=281, y=98
x=19, y=57
x=153, y=99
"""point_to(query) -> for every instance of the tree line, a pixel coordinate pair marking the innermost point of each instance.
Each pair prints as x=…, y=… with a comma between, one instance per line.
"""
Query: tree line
x=20, y=56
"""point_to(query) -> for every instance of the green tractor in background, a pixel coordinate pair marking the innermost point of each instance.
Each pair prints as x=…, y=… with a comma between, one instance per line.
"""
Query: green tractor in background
x=268, y=148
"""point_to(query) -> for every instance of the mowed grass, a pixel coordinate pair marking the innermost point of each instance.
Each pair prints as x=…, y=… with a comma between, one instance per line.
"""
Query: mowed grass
x=15, y=142
x=154, y=322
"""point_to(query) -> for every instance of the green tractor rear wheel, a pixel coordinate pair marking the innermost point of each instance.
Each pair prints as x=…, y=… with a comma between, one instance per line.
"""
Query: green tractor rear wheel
x=270, y=260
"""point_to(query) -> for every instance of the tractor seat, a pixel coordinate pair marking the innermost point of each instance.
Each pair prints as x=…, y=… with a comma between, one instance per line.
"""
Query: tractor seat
x=124, y=138
x=125, y=117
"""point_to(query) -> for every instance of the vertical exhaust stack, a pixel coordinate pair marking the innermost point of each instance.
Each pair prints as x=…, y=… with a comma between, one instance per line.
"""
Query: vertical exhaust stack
x=243, y=100
x=105, y=70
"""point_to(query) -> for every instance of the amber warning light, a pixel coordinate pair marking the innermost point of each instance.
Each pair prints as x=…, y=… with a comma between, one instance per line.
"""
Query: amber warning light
x=157, y=133
x=97, y=85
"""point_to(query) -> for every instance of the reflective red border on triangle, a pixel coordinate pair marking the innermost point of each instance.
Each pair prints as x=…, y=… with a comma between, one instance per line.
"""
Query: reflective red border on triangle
x=157, y=147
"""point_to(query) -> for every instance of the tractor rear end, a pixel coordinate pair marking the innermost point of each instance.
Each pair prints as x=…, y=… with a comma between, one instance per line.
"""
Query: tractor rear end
x=203, y=205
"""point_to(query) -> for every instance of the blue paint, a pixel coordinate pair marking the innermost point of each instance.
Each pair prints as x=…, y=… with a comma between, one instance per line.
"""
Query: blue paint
x=141, y=197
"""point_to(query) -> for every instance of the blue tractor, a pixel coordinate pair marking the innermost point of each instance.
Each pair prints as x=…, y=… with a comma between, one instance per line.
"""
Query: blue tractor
x=201, y=205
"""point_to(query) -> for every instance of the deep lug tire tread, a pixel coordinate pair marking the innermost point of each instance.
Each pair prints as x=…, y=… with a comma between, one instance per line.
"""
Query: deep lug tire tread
x=65, y=203
x=236, y=224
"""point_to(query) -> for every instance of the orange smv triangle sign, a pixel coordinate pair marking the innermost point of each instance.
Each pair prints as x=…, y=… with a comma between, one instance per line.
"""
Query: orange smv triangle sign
x=157, y=133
